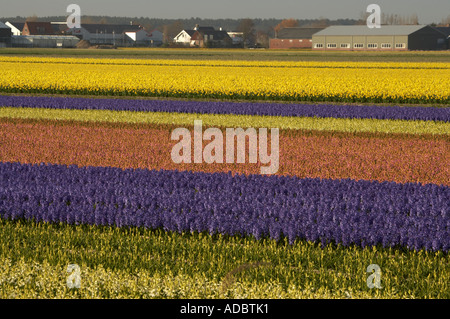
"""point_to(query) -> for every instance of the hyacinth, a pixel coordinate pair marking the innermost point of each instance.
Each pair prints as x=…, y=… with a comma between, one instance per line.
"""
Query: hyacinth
x=364, y=213
x=218, y=107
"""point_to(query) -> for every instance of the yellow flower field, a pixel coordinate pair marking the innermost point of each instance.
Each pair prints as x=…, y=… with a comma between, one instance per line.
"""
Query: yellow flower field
x=255, y=80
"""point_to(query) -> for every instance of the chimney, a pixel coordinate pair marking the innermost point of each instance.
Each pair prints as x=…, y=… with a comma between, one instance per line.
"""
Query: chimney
x=220, y=28
x=131, y=22
x=196, y=27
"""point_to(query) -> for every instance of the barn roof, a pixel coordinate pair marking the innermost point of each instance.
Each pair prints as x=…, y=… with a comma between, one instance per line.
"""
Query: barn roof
x=110, y=28
x=218, y=35
x=354, y=30
x=297, y=33
x=444, y=30
x=39, y=28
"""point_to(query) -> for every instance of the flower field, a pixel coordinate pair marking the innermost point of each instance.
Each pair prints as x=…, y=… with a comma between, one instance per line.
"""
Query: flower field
x=90, y=180
x=294, y=81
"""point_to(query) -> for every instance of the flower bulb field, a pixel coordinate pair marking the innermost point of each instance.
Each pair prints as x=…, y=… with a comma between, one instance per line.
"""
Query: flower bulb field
x=88, y=178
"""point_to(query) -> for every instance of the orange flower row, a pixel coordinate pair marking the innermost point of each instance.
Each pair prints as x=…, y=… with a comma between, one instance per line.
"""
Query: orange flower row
x=379, y=157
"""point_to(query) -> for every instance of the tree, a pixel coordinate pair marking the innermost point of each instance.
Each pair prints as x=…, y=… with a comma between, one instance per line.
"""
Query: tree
x=446, y=21
x=262, y=39
x=170, y=31
x=33, y=18
x=247, y=27
x=286, y=23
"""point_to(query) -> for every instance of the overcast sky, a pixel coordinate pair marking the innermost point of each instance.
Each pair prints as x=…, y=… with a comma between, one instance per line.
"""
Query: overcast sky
x=428, y=10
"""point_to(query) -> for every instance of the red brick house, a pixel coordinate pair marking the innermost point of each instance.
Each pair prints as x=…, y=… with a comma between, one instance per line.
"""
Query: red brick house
x=292, y=38
x=38, y=28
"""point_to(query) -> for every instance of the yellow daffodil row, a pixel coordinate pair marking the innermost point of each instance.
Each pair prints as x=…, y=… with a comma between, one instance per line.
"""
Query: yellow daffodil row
x=221, y=120
x=250, y=80
x=227, y=63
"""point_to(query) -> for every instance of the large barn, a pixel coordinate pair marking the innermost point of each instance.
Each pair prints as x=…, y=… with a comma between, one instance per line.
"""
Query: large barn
x=292, y=38
x=392, y=37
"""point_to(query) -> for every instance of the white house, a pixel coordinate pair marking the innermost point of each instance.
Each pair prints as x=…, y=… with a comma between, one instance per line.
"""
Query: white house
x=16, y=27
x=184, y=37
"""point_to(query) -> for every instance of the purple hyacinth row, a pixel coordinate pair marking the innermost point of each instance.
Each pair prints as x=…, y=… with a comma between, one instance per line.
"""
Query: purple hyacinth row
x=273, y=109
x=344, y=211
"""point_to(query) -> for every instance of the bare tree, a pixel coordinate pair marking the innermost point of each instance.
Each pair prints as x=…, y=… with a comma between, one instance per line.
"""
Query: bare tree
x=446, y=21
x=247, y=27
x=170, y=31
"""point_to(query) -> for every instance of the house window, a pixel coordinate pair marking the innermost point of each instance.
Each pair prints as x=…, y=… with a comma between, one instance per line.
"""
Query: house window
x=318, y=45
x=345, y=45
x=331, y=45
x=290, y=40
x=372, y=45
x=400, y=45
x=386, y=45
x=359, y=45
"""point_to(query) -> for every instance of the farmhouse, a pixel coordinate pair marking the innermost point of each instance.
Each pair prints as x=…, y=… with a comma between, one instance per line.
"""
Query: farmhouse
x=204, y=37
x=392, y=37
x=185, y=36
x=290, y=38
x=211, y=38
x=5, y=35
x=16, y=27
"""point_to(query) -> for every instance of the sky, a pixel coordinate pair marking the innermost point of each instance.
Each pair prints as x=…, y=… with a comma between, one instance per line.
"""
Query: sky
x=428, y=10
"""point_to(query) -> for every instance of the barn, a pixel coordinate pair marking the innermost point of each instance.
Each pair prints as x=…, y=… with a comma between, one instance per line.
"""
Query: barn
x=386, y=38
x=5, y=35
x=446, y=32
x=292, y=38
